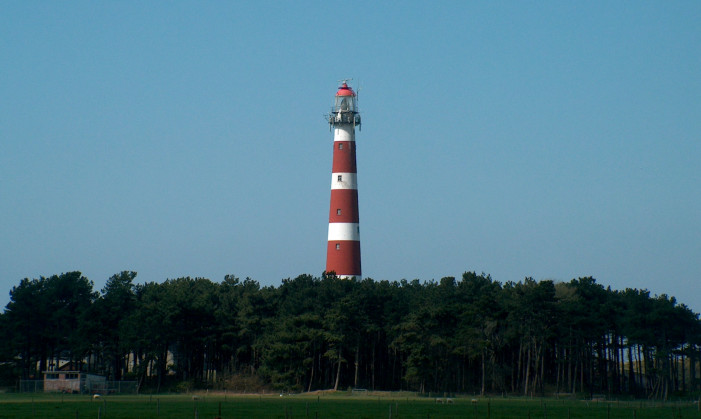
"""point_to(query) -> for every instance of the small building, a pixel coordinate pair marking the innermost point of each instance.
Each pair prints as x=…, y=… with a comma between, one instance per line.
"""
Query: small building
x=73, y=382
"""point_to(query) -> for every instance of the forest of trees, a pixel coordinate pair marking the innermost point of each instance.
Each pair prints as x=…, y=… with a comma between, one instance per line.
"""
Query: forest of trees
x=467, y=335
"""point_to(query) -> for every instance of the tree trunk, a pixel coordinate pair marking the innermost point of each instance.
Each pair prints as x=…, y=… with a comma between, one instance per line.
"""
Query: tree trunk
x=357, y=363
x=338, y=371
x=519, y=368
x=692, y=368
x=483, y=373
x=639, y=378
x=581, y=374
x=570, y=374
x=574, y=379
x=373, y=365
x=558, y=361
x=631, y=364
x=591, y=369
x=542, y=369
x=528, y=371
x=683, y=387
x=311, y=378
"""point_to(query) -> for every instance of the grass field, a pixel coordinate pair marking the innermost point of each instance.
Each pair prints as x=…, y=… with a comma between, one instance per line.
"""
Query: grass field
x=339, y=405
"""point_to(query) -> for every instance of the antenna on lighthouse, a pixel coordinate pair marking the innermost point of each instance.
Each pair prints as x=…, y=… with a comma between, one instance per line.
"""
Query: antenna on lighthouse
x=357, y=103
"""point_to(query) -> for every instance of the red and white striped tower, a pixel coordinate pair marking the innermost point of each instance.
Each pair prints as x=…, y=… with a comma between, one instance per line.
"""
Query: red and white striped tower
x=343, y=252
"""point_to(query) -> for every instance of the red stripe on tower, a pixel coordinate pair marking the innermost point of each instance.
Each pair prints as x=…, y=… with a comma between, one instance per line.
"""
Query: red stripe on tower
x=343, y=251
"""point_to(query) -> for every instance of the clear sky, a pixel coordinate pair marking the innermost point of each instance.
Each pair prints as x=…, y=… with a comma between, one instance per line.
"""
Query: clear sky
x=551, y=139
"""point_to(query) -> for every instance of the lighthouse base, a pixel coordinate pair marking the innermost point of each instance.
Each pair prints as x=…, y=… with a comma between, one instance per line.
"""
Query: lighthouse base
x=343, y=258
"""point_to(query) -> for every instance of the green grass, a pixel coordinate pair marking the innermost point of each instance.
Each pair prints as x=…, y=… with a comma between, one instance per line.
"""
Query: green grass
x=339, y=405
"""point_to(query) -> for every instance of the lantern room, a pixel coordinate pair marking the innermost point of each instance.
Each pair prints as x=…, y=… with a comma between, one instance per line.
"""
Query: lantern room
x=345, y=107
x=345, y=100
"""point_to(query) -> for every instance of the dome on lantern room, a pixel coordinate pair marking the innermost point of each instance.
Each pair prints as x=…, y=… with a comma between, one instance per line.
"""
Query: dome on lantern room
x=345, y=90
x=345, y=99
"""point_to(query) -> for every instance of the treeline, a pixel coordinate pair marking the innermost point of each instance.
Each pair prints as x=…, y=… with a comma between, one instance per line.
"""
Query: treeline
x=468, y=335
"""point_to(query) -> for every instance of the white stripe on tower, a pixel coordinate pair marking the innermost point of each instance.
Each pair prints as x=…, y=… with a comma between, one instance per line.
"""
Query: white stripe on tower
x=344, y=231
x=344, y=134
x=344, y=180
x=343, y=251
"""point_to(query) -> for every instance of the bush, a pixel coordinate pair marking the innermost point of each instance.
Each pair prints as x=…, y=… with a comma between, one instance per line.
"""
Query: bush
x=243, y=383
x=183, y=387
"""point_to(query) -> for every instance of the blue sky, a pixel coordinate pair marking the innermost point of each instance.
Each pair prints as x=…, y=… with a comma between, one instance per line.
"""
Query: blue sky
x=545, y=139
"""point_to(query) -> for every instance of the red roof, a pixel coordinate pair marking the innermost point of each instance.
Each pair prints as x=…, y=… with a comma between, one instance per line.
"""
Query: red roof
x=344, y=90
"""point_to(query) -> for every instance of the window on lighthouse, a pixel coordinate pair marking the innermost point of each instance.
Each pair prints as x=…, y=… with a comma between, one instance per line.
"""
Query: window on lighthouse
x=338, y=246
x=338, y=211
x=345, y=103
x=340, y=178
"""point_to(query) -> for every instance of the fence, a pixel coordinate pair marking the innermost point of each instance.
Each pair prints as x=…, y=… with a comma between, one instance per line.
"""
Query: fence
x=106, y=387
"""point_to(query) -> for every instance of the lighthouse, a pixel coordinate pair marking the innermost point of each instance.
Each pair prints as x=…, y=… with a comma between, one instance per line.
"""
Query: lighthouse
x=343, y=252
